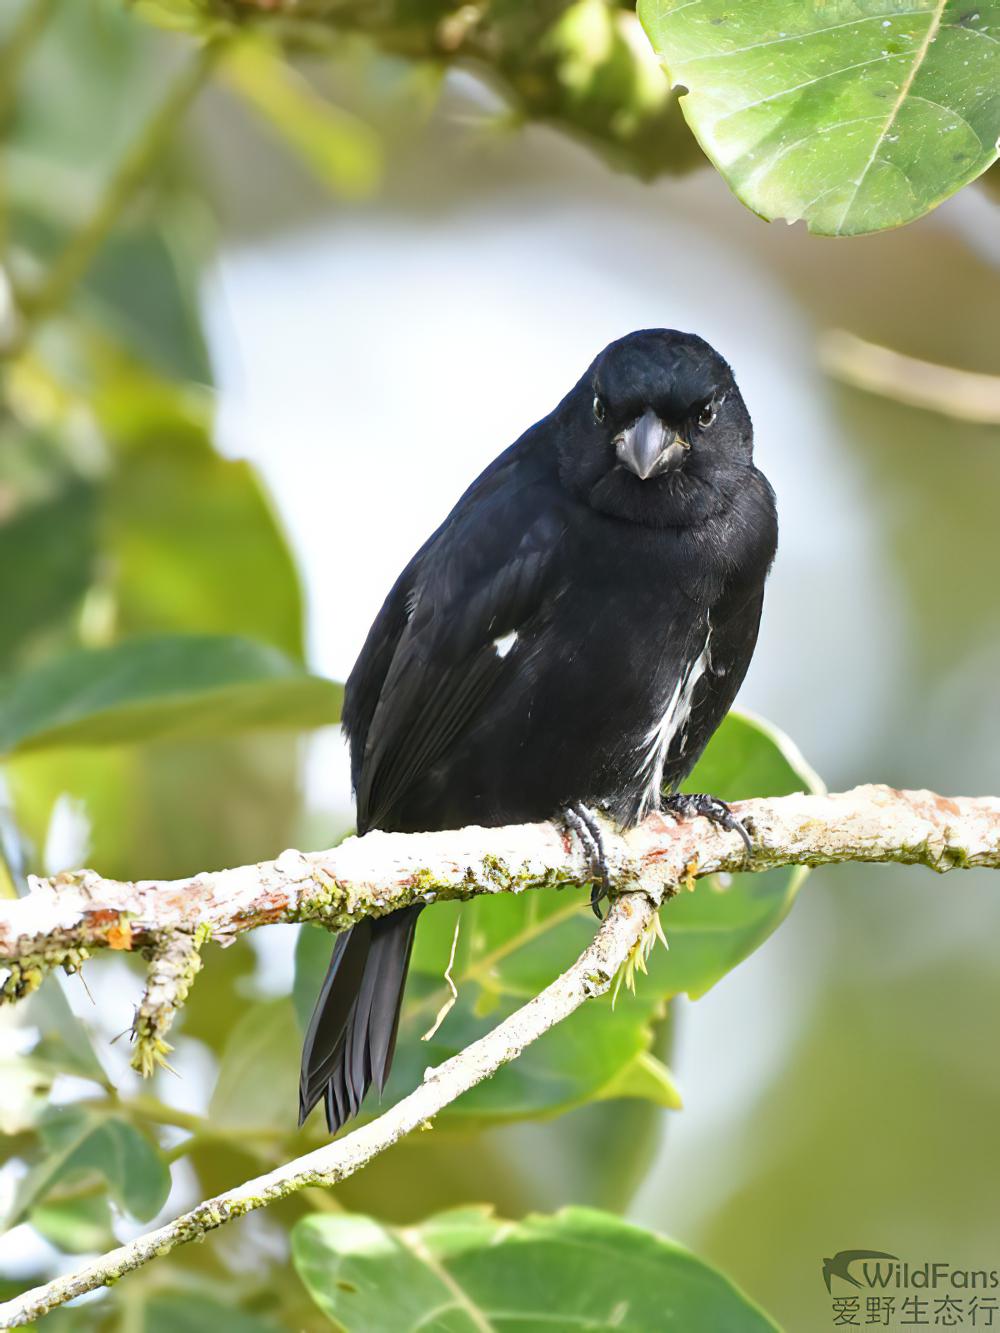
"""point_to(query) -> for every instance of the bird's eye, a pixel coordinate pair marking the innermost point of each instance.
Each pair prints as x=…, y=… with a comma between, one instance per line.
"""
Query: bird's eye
x=599, y=410
x=707, y=415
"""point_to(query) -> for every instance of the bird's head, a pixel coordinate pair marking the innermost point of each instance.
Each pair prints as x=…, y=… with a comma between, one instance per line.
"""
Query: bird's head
x=656, y=431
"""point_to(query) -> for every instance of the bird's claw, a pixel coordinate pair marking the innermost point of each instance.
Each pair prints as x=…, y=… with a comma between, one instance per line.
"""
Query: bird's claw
x=686, y=805
x=583, y=821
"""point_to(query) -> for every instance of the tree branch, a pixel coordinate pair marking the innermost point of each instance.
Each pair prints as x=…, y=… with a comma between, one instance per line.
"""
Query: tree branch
x=61, y=919
x=600, y=82
x=590, y=975
x=965, y=395
x=79, y=911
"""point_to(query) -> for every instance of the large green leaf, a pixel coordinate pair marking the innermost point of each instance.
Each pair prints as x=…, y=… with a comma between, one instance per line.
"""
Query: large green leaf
x=190, y=539
x=81, y=1224
x=509, y=947
x=194, y=1312
x=465, y=1272
x=78, y=1142
x=260, y=1064
x=856, y=116
x=723, y=922
x=169, y=685
x=146, y=295
x=47, y=550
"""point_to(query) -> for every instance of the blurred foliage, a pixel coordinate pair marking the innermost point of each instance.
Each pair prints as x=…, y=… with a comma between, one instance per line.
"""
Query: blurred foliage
x=76, y=1142
x=583, y=67
x=153, y=616
x=165, y=685
x=855, y=125
x=466, y=1270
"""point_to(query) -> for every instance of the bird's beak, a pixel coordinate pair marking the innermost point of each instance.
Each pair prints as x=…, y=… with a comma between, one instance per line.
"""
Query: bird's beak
x=649, y=447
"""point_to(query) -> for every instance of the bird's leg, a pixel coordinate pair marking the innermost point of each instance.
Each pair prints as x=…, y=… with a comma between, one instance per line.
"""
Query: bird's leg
x=684, y=805
x=583, y=821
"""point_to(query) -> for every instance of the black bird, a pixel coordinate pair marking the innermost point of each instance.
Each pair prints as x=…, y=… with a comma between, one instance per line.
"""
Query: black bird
x=566, y=641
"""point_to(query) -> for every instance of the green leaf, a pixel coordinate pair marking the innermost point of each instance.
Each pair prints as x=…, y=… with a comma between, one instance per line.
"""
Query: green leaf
x=258, y=1076
x=194, y=1312
x=510, y=947
x=191, y=540
x=465, y=1270
x=164, y=686
x=343, y=152
x=144, y=292
x=648, y=1079
x=856, y=116
x=48, y=550
x=78, y=1142
x=714, y=928
x=79, y=1226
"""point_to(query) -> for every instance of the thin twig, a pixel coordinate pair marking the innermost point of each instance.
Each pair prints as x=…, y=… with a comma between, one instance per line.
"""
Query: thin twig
x=590, y=975
x=452, y=997
x=962, y=394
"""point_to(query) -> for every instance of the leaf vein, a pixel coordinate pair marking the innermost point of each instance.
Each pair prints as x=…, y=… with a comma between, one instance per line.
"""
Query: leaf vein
x=814, y=32
x=932, y=31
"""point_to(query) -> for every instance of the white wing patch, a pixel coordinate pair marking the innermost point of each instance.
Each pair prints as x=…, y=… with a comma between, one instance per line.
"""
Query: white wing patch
x=505, y=643
x=676, y=714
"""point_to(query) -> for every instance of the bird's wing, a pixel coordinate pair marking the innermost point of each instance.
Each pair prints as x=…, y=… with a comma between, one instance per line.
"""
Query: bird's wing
x=484, y=574
x=364, y=685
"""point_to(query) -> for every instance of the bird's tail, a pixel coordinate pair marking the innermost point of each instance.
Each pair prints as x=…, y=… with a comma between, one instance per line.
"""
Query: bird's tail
x=352, y=1032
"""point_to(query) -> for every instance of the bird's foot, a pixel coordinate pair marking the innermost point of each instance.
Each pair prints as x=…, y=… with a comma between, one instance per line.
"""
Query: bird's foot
x=583, y=821
x=684, y=805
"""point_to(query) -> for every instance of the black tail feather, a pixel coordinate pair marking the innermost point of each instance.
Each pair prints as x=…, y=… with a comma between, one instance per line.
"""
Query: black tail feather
x=352, y=1033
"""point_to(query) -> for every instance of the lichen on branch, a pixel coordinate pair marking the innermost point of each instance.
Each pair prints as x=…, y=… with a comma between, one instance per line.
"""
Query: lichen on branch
x=65, y=919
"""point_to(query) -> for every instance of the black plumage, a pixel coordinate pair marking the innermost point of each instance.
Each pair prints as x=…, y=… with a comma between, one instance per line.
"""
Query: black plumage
x=573, y=633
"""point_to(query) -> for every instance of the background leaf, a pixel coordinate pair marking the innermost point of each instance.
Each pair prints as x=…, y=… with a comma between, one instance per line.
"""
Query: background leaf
x=79, y=1225
x=855, y=117
x=190, y=540
x=59, y=531
x=465, y=1270
x=259, y=1071
x=722, y=922
x=78, y=1142
x=194, y=1312
x=170, y=685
